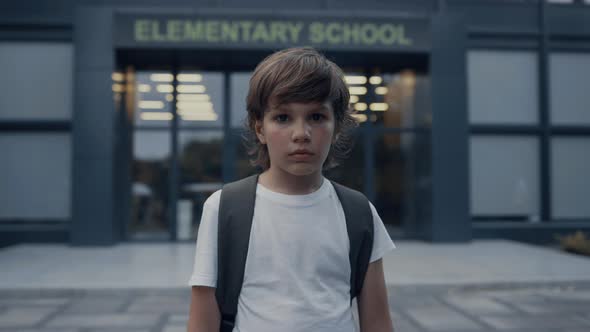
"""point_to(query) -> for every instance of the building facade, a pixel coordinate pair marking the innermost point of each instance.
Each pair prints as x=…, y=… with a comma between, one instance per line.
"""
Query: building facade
x=119, y=118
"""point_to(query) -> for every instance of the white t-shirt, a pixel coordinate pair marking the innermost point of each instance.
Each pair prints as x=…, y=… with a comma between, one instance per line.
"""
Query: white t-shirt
x=297, y=273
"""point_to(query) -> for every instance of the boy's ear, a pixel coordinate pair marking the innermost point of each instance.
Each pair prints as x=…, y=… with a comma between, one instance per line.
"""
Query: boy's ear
x=260, y=132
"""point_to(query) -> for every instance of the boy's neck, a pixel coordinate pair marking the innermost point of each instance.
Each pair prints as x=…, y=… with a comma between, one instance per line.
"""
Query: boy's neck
x=286, y=183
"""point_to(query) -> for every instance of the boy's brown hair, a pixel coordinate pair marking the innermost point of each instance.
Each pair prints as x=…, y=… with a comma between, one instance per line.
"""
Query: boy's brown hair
x=301, y=75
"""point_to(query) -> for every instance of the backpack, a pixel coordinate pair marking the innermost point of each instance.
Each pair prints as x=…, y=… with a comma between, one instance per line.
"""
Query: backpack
x=236, y=210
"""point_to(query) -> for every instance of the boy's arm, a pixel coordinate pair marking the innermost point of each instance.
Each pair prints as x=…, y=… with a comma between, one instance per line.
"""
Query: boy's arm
x=204, y=313
x=372, y=302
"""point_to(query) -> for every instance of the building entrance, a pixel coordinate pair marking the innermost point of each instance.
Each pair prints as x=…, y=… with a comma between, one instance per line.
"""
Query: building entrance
x=185, y=140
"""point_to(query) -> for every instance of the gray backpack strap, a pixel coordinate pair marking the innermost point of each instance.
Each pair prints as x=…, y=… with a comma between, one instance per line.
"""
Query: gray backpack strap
x=236, y=210
x=359, y=224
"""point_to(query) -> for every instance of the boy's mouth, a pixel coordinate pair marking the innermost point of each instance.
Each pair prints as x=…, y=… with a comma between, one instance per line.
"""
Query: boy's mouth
x=301, y=152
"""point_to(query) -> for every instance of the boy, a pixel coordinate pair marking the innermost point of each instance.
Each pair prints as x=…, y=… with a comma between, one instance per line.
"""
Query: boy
x=297, y=273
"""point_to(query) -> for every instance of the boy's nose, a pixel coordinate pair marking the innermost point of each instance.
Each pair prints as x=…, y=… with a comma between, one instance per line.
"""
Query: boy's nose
x=301, y=132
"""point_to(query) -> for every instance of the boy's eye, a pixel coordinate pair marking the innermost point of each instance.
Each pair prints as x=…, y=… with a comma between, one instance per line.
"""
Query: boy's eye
x=281, y=118
x=317, y=117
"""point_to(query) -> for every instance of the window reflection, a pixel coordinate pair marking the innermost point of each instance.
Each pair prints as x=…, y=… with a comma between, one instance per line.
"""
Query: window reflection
x=392, y=99
x=239, y=92
x=153, y=103
x=350, y=172
x=200, y=163
x=200, y=98
x=243, y=168
x=150, y=199
x=402, y=178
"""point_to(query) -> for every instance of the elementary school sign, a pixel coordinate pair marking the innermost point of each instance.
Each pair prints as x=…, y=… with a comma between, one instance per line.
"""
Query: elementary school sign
x=184, y=31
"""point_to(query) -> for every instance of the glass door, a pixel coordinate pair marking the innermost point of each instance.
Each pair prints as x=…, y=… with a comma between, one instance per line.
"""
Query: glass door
x=151, y=156
x=200, y=139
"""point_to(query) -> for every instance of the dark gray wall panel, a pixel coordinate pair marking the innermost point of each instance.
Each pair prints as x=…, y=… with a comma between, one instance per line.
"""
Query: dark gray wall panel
x=497, y=16
x=92, y=211
x=450, y=189
x=569, y=20
x=93, y=114
x=93, y=130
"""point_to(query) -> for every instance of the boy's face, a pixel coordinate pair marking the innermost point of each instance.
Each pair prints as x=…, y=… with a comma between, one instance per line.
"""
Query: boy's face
x=298, y=136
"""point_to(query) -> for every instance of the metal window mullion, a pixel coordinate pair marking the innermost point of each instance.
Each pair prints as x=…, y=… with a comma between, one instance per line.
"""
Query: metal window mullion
x=174, y=172
x=545, y=136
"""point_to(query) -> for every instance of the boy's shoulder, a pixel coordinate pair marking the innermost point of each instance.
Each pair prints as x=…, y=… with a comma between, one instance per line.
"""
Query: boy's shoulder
x=213, y=200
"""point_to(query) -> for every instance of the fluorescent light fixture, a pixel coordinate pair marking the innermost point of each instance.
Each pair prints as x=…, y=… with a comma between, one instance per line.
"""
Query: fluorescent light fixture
x=151, y=104
x=381, y=90
x=360, y=117
x=118, y=87
x=187, y=105
x=375, y=80
x=355, y=79
x=144, y=88
x=185, y=88
x=200, y=117
x=156, y=116
x=193, y=97
x=165, y=88
x=354, y=99
x=360, y=106
x=189, y=77
x=357, y=90
x=379, y=107
x=409, y=80
x=161, y=77
x=117, y=77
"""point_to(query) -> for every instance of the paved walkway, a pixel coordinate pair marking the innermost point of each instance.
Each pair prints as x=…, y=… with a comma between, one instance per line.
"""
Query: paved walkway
x=170, y=265
x=538, y=308
x=477, y=287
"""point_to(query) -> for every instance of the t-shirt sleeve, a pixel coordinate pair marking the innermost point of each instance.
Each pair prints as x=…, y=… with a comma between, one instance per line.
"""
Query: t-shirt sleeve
x=205, y=264
x=382, y=243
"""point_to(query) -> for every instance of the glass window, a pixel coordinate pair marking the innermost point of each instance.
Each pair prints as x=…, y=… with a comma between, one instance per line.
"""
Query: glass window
x=200, y=161
x=402, y=177
x=239, y=91
x=350, y=172
x=505, y=178
x=503, y=87
x=243, y=168
x=150, y=199
x=570, y=180
x=400, y=100
x=154, y=99
x=569, y=85
x=200, y=100
x=36, y=81
x=35, y=176
x=200, y=155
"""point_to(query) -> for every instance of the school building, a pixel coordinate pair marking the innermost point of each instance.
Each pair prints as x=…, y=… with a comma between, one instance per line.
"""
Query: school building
x=119, y=118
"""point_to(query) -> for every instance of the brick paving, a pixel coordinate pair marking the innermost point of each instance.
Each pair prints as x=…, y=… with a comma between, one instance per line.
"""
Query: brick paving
x=524, y=307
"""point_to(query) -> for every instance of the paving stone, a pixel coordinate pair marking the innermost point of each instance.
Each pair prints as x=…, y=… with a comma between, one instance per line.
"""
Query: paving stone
x=174, y=328
x=441, y=319
x=38, y=330
x=34, y=302
x=552, y=307
x=117, y=330
x=178, y=319
x=553, y=321
x=104, y=320
x=478, y=305
x=401, y=323
x=23, y=317
x=158, y=308
x=96, y=305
